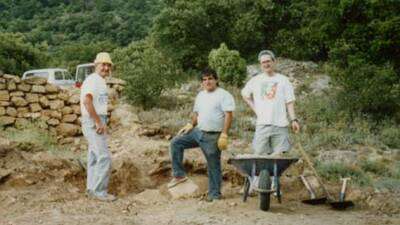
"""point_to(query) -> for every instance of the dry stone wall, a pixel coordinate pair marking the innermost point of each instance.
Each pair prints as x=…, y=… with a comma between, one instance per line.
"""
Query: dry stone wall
x=53, y=108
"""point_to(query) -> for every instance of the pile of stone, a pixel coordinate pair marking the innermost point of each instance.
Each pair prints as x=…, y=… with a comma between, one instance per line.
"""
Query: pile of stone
x=54, y=108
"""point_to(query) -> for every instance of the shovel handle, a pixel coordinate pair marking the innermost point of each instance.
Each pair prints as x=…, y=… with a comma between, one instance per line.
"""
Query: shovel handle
x=343, y=190
x=310, y=164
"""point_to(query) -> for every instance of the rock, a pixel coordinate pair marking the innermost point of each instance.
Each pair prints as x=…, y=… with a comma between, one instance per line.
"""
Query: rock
x=70, y=118
x=22, y=111
x=56, y=104
x=35, y=80
x=2, y=111
x=11, y=111
x=63, y=96
x=150, y=197
x=24, y=87
x=4, y=104
x=4, y=96
x=338, y=156
x=53, y=122
x=6, y=120
x=2, y=86
x=66, y=129
x=51, y=88
x=44, y=102
x=38, y=89
x=21, y=123
x=52, y=97
x=17, y=94
x=31, y=98
x=33, y=115
x=184, y=190
x=35, y=107
x=66, y=110
x=18, y=101
x=56, y=114
x=74, y=99
x=67, y=140
x=13, y=78
x=76, y=109
x=322, y=83
x=11, y=86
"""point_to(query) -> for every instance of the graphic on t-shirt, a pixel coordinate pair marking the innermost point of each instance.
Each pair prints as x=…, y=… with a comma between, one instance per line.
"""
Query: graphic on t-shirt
x=103, y=98
x=268, y=90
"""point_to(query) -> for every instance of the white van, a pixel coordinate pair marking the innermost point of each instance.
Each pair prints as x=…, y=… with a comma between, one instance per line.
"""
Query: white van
x=57, y=76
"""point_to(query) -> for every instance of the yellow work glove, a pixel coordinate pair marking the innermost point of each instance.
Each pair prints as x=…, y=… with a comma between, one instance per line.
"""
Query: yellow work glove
x=188, y=127
x=223, y=141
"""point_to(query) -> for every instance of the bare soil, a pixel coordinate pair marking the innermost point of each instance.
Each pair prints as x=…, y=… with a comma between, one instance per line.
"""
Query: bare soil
x=41, y=187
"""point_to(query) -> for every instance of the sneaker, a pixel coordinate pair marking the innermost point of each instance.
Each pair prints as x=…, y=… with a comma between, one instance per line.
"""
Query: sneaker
x=175, y=181
x=106, y=198
x=212, y=199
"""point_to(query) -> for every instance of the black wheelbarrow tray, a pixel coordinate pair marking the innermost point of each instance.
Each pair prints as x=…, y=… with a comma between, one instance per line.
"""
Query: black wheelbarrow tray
x=268, y=169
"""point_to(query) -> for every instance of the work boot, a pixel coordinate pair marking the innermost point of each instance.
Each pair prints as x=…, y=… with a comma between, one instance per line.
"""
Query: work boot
x=175, y=181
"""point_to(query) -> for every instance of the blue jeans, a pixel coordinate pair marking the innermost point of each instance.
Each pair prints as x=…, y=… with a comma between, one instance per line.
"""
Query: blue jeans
x=99, y=159
x=207, y=141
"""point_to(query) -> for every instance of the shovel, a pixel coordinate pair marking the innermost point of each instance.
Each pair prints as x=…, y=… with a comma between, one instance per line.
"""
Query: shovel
x=342, y=204
x=313, y=199
x=310, y=164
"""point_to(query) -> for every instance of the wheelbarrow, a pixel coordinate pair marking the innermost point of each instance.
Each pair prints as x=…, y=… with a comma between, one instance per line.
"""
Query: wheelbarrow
x=268, y=170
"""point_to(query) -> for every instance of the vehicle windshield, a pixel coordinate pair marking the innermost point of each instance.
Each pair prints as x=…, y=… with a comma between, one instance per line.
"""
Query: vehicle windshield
x=83, y=72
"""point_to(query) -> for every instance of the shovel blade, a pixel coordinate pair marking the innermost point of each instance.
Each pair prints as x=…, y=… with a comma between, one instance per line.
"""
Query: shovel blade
x=342, y=205
x=315, y=201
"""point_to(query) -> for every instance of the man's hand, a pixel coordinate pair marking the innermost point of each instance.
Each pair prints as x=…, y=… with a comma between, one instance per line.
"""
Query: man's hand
x=100, y=127
x=295, y=126
x=222, y=141
x=188, y=127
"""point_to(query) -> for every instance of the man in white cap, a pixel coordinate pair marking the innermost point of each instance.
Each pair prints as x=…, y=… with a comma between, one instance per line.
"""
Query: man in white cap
x=94, y=127
x=270, y=95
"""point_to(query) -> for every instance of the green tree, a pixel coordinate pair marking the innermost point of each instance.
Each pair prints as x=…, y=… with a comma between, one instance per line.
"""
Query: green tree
x=147, y=72
x=228, y=64
x=17, y=55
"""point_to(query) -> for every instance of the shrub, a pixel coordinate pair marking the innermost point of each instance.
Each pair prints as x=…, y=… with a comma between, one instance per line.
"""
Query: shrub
x=17, y=55
x=147, y=72
x=231, y=68
x=334, y=171
x=390, y=136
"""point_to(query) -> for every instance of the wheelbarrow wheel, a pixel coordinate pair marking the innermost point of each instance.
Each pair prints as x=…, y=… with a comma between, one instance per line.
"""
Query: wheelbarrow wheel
x=264, y=184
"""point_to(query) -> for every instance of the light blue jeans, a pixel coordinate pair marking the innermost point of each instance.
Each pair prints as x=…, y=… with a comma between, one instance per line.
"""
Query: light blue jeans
x=99, y=158
x=207, y=141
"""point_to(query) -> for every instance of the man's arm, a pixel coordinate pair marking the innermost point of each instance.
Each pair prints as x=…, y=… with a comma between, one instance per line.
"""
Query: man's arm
x=227, y=122
x=194, y=119
x=88, y=103
x=250, y=102
x=292, y=116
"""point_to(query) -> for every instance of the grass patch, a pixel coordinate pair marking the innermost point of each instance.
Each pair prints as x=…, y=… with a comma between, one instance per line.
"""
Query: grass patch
x=31, y=137
x=335, y=171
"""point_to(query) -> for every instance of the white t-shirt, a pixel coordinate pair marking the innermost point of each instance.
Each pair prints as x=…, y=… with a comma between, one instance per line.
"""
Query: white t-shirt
x=211, y=108
x=270, y=95
x=95, y=85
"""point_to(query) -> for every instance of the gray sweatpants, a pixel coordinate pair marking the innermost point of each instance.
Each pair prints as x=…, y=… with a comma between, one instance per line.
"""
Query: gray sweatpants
x=99, y=158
